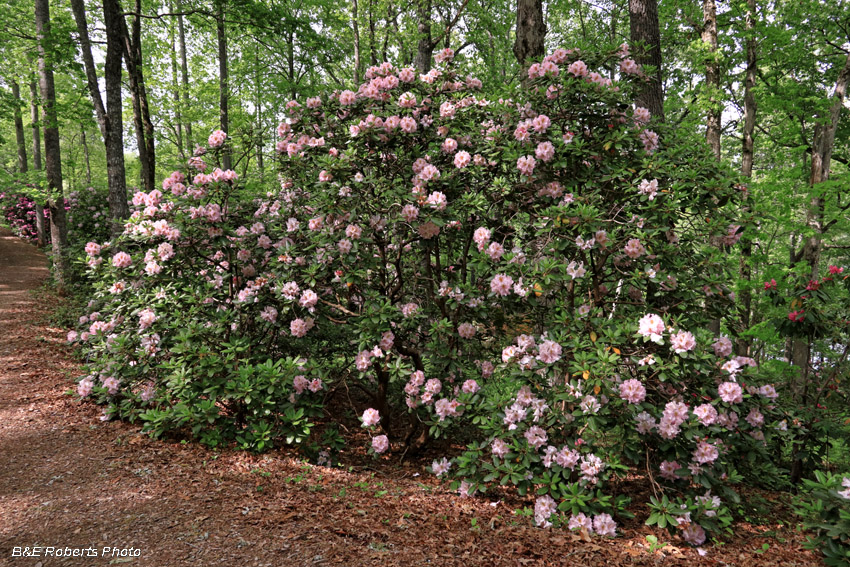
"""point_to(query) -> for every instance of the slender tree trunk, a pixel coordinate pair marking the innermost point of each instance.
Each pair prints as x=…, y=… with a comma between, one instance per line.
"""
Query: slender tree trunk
x=356, y=26
x=52, y=153
x=258, y=108
x=109, y=117
x=424, y=46
x=114, y=139
x=744, y=344
x=530, y=31
x=373, y=57
x=712, y=76
x=223, y=82
x=85, y=143
x=132, y=45
x=184, y=71
x=823, y=143
x=41, y=233
x=136, y=58
x=175, y=84
x=644, y=28
x=20, y=137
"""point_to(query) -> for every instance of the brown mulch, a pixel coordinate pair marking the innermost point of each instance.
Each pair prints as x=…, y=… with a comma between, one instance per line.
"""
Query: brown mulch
x=68, y=479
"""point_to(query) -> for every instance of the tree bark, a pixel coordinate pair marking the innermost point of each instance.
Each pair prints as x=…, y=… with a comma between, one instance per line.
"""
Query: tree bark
x=85, y=143
x=712, y=76
x=109, y=117
x=258, y=109
x=114, y=139
x=747, y=151
x=184, y=71
x=223, y=82
x=644, y=28
x=132, y=43
x=175, y=85
x=41, y=233
x=424, y=46
x=356, y=26
x=530, y=31
x=52, y=152
x=823, y=142
x=20, y=138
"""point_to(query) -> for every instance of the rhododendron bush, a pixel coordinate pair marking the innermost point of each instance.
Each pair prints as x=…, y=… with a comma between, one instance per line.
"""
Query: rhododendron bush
x=537, y=274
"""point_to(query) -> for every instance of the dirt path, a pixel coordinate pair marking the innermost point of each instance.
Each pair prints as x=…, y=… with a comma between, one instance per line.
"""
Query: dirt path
x=70, y=480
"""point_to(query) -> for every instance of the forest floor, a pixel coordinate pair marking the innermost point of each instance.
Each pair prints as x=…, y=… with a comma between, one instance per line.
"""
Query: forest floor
x=70, y=480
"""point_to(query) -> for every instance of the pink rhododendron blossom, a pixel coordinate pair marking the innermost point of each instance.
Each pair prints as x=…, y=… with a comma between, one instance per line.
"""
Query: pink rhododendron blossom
x=706, y=414
x=466, y=330
x=501, y=284
x=549, y=352
x=85, y=386
x=495, y=251
x=604, y=525
x=693, y=533
x=580, y=522
x=525, y=165
x=651, y=326
x=92, y=248
x=122, y=260
x=470, y=387
x=370, y=417
x=632, y=391
x=650, y=140
x=481, y=236
x=722, y=347
x=682, y=341
x=705, y=453
x=146, y=318
x=299, y=327
x=380, y=444
x=668, y=470
x=440, y=467
x=755, y=418
x=544, y=507
x=577, y=69
x=409, y=309
x=216, y=139
x=730, y=392
x=535, y=436
x=347, y=98
x=499, y=448
x=462, y=159
x=634, y=249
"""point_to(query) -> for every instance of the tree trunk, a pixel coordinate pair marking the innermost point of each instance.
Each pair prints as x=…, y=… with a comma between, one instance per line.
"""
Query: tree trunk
x=530, y=31
x=356, y=26
x=184, y=71
x=823, y=143
x=109, y=117
x=424, y=46
x=258, y=109
x=223, y=83
x=20, y=138
x=644, y=28
x=373, y=57
x=84, y=141
x=36, y=162
x=712, y=76
x=745, y=272
x=114, y=138
x=175, y=85
x=52, y=153
x=135, y=71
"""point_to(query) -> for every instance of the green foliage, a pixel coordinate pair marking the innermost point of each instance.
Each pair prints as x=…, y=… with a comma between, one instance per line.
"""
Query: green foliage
x=826, y=513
